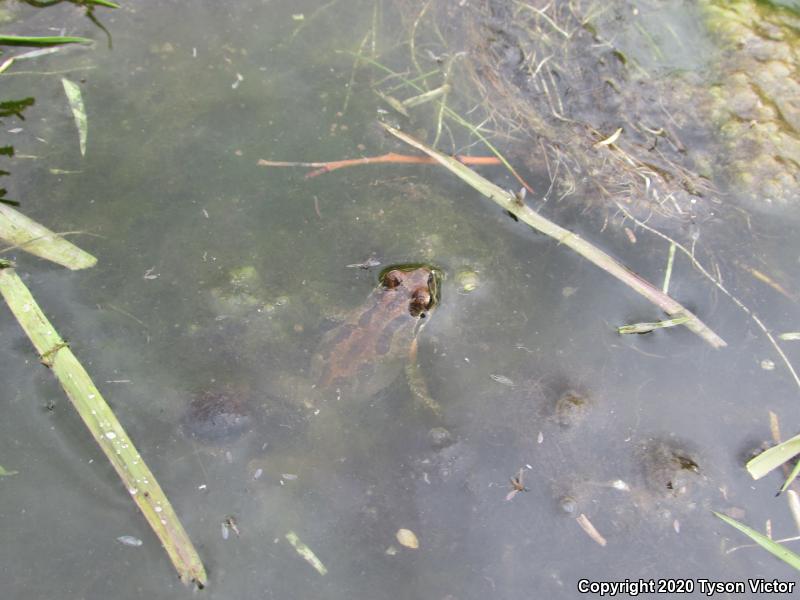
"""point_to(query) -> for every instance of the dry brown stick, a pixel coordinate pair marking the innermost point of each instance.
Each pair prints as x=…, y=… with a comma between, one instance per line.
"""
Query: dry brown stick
x=524, y=213
x=391, y=157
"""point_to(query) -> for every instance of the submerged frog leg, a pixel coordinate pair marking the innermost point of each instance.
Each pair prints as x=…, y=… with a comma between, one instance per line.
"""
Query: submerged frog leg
x=417, y=383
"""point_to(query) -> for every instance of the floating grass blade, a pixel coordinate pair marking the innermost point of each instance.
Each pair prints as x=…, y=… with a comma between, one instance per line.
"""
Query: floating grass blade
x=306, y=552
x=792, y=476
x=26, y=234
x=22, y=40
x=668, y=273
x=773, y=458
x=75, y=99
x=772, y=547
x=104, y=426
x=106, y=3
x=590, y=252
x=648, y=327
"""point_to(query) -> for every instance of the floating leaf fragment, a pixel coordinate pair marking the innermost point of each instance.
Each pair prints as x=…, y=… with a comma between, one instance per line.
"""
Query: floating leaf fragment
x=407, y=538
x=306, y=553
x=790, y=336
x=75, y=98
x=4, y=473
x=129, y=540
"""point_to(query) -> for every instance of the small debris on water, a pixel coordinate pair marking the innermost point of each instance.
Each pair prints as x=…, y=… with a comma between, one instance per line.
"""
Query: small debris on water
x=258, y=473
x=767, y=365
x=676, y=525
x=239, y=79
x=502, y=379
x=540, y=438
x=129, y=540
x=568, y=291
x=150, y=275
x=407, y=538
x=367, y=264
x=228, y=525
x=735, y=512
x=306, y=553
x=610, y=139
x=590, y=530
x=467, y=281
x=289, y=476
x=517, y=486
x=620, y=485
x=298, y=17
x=391, y=551
x=568, y=505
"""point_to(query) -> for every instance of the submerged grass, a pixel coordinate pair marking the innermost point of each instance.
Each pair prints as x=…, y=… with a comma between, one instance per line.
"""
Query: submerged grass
x=55, y=40
x=769, y=545
x=140, y=482
x=450, y=113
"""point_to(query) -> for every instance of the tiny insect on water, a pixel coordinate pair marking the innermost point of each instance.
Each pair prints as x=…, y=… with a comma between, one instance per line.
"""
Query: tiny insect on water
x=517, y=486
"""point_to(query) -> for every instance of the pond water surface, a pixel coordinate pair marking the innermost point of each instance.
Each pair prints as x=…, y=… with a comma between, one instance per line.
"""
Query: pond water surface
x=219, y=277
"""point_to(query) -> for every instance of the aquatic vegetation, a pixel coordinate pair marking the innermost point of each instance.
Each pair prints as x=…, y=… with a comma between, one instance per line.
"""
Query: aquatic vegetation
x=773, y=458
x=754, y=100
x=107, y=431
x=771, y=546
x=516, y=206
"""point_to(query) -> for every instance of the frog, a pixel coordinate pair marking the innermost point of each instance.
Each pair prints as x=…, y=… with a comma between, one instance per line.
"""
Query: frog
x=355, y=360
x=364, y=353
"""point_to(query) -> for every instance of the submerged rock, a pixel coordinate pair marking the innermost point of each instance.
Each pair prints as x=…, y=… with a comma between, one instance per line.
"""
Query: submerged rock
x=217, y=416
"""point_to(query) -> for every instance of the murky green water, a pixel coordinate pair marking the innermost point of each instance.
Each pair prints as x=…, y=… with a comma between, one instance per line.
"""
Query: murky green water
x=217, y=275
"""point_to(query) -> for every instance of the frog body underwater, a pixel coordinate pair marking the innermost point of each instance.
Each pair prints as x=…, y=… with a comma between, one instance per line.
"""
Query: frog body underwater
x=366, y=352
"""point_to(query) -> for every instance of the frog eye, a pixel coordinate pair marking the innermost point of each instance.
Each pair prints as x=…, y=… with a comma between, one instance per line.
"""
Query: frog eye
x=391, y=279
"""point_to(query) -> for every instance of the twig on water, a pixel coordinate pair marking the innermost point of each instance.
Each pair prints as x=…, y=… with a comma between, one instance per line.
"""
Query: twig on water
x=391, y=157
x=524, y=213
